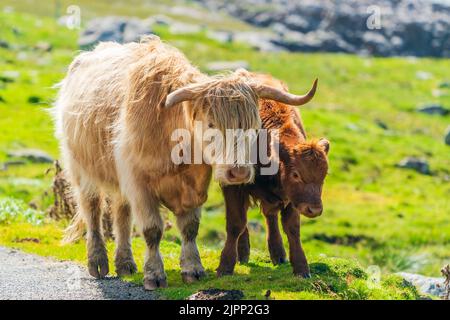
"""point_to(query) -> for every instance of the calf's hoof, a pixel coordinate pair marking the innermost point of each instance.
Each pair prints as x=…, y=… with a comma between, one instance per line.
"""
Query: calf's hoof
x=126, y=268
x=192, y=276
x=154, y=283
x=243, y=259
x=98, y=265
x=221, y=271
x=303, y=275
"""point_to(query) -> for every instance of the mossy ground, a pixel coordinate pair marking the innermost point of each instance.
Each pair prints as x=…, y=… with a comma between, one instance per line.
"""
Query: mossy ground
x=398, y=220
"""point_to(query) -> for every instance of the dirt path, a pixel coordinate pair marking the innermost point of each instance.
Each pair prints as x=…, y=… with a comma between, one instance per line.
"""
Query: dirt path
x=27, y=276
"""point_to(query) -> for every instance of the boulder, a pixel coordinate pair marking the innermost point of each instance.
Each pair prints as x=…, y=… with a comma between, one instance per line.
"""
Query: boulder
x=398, y=27
x=417, y=164
x=118, y=29
x=425, y=285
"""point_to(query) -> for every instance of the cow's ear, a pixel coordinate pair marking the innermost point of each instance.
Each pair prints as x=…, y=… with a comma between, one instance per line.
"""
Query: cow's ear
x=324, y=144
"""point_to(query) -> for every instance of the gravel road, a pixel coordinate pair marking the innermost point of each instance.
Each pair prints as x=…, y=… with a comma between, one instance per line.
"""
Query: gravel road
x=27, y=276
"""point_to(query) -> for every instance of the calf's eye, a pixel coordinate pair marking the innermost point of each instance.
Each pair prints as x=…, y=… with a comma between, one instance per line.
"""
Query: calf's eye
x=295, y=175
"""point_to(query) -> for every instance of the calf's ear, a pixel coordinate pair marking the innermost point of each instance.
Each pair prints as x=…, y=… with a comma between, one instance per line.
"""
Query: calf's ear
x=325, y=144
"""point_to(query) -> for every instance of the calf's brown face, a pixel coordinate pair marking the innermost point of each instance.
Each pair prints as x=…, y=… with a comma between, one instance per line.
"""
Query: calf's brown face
x=303, y=172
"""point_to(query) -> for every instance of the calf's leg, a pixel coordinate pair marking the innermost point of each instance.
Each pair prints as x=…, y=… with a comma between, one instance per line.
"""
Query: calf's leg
x=244, y=246
x=122, y=225
x=274, y=240
x=290, y=219
x=236, y=203
x=191, y=265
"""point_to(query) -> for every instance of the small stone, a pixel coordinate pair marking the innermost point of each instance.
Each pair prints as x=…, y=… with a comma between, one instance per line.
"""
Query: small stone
x=417, y=164
x=4, y=44
x=434, y=109
x=447, y=136
x=423, y=75
x=34, y=99
x=381, y=124
x=33, y=155
x=43, y=46
x=217, y=294
x=444, y=85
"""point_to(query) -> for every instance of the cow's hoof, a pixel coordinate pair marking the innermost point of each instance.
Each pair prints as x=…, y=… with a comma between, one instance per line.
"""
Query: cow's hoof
x=192, y=276
x=126, y=268
x=155, y=283
x=98, y=265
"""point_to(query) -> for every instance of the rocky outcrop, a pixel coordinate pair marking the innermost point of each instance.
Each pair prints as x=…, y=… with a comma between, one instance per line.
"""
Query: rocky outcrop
x=118, y=29
x=382, y=28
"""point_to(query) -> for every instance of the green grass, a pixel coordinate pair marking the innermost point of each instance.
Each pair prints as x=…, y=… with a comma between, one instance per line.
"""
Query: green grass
x=400, y=218
x=332, y=278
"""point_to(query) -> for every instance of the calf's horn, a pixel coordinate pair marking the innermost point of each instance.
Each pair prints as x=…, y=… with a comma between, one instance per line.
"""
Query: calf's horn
x=267, y=92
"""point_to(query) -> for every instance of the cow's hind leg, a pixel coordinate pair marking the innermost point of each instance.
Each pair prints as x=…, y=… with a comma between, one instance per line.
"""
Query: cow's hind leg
x=89, y=204
x=122, y=225
x=191, y=265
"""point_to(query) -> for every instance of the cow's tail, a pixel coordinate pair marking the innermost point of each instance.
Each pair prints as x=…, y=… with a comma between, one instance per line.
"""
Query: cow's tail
x=75, y=230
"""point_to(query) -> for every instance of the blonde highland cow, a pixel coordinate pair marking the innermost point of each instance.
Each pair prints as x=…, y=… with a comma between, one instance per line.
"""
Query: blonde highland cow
x=115, y=113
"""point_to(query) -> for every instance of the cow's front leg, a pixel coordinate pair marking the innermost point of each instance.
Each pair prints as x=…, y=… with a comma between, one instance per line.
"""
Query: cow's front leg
x=145, y=208
x=290, y=219
x=191, y=265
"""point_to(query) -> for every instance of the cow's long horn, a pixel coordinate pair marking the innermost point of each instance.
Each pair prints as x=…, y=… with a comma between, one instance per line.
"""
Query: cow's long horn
x=267, y=92
x=182, y=94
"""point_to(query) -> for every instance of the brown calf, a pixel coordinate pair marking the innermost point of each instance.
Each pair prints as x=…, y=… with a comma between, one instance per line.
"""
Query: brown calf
x=296, y=189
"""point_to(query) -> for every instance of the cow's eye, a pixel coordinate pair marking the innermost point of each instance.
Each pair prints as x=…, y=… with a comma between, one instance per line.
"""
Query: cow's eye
x=210, y=125
x=295, y=175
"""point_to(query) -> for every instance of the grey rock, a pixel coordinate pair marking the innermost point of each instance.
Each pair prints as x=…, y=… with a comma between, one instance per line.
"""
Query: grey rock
x=227, y=65
x=43, y=46
x=434, y=109
x=221, y=36
x=217, y=294
x=184, y=28
x=447, y=136
x=417, y=164
x=444, y=85
x=4, y=44
x=33, y=155
x=118, y=29
x=425, y=285
x=406, y=28
x=381, y=124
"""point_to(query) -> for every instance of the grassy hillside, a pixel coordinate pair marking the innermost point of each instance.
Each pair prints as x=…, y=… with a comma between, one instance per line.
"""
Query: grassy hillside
x=375, y=213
